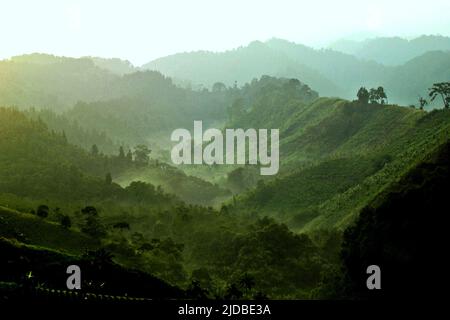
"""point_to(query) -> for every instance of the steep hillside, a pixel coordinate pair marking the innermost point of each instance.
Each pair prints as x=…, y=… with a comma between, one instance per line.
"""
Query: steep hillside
x=409, y=149
x=29, y=228
x=39, y=164
x=37, y=274
x=337, y=155
x=44, y=249
x=401, y=231
x=312, y=129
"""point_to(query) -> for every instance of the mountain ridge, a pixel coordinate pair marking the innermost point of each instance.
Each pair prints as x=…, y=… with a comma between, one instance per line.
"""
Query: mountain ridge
x=332, y=73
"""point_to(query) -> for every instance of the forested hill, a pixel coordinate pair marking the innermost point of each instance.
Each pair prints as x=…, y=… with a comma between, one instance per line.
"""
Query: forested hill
x=47, y=81
x=58, y=83
x=63, y=207
x=337, y=155
x=36, y=163
x=108, y=107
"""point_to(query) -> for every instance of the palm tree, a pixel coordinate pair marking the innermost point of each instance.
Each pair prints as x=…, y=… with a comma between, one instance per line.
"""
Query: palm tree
x=441, y=89
x=247, y=282
x=99, y=257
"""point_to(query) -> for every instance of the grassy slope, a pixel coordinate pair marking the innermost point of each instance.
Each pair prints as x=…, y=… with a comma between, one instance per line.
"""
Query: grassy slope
x=48, y=269
x=410, y=148
x=339, y=128
x=336, y=156
x=29, y=228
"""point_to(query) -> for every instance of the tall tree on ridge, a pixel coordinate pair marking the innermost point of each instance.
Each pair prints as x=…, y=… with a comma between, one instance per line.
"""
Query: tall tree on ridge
x=363, y=95
x=441, y=89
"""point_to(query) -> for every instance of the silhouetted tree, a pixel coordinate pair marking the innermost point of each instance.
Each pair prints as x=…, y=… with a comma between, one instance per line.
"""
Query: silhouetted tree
x=42, y=211
x=66, y=223
x=441, y=89
x=373, y=96
x=121, y=153
x=141, y=154
x=94, y=150
x=92, y=225
x=99, y=258
x=129, y=156
x=233, y=293
x=89, y=210
x=219, y=87
x=224, y=209
x=377, y=95
x=363, y=95
x=247, y=282
x=108, y=178
x=195, y=291
x=422, y=103
x=381, y=95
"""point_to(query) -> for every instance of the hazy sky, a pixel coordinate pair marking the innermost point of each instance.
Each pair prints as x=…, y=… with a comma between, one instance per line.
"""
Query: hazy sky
x=143, y=30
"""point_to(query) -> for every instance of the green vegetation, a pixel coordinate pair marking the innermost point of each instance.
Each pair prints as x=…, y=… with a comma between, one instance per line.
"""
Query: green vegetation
x=335, y=166
x=85, y=174
x=398, y=230
x=441, y=89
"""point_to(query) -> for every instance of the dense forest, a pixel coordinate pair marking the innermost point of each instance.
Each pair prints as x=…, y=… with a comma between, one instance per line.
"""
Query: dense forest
x=86, y=176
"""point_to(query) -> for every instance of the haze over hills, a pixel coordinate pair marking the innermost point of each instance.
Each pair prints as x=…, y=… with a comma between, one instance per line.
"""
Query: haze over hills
x=330, y=72
x=392, y=51
x=85, y=153
x=47, y=81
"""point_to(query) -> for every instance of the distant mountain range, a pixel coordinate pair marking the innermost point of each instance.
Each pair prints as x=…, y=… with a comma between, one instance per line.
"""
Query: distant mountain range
x=405, y=68
x=424, y=61
x=392, y=51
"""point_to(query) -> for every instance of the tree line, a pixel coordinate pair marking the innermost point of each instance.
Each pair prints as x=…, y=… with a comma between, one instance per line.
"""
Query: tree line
x=378, y=95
